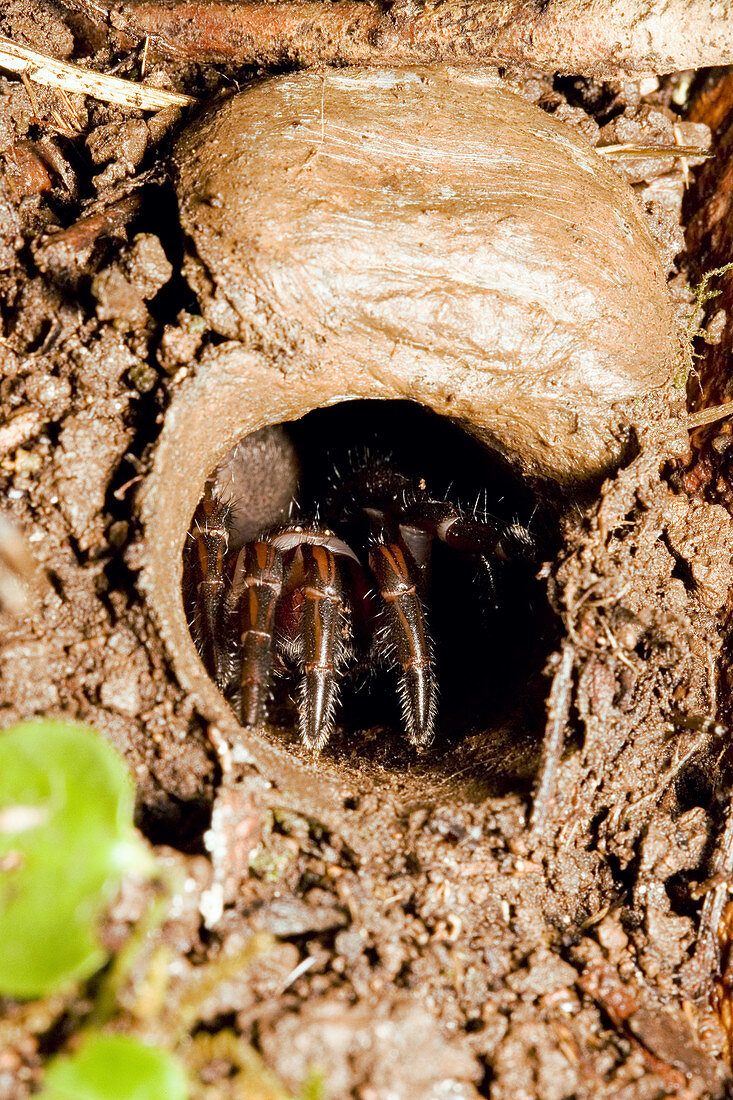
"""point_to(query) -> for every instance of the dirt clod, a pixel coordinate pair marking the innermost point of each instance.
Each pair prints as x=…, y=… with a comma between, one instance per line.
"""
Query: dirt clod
x=373, y=1052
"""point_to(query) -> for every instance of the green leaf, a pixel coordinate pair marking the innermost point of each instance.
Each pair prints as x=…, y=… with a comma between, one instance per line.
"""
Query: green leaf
x=115, y=1067
x=66, y=839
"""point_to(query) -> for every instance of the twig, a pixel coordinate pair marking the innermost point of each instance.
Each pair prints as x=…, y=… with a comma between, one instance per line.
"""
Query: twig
x=709, y=415
x=30, y=65
x=642, y=152
x=558, y=709
x=69, y=249
x=601, y=38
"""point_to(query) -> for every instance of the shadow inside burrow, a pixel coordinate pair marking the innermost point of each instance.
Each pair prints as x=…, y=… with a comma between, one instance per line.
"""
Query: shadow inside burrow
x=492, y=628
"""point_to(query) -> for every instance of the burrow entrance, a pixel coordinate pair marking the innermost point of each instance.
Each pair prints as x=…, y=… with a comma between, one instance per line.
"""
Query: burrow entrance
x=492, y=629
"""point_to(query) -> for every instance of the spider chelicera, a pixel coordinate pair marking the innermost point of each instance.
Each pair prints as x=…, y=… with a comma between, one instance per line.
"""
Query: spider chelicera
x=326, y=594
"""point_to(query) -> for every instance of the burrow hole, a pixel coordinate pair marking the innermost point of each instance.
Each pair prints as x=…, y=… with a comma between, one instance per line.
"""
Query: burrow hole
x=491, y=638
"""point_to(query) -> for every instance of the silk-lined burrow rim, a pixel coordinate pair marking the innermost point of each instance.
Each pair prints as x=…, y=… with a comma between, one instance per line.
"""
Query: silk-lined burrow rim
x=422, y=235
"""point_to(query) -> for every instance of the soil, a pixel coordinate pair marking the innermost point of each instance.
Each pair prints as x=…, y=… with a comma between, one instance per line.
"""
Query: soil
x=428, y=935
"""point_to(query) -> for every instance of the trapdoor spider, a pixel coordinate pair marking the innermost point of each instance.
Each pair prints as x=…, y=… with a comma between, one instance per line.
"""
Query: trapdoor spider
x=345, y=589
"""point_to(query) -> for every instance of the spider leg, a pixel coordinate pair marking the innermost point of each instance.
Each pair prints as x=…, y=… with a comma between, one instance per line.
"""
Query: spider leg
x=258, y=584
x=398, y=581
x=210, y=543
x=323, y=643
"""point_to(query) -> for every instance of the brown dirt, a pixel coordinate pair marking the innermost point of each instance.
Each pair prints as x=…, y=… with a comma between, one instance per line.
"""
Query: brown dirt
x=448, y=949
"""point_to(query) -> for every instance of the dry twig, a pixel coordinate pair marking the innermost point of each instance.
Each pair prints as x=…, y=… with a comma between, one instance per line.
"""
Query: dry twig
x=36, y=67
x=68, y=250
x=709, y=415
x=558, y=709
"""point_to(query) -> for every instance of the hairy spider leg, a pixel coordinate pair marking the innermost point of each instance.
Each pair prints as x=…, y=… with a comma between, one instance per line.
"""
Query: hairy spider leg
x=288, y=594
x=397, y=579
x=211, y=542
x=323, y=643
x=256, y=591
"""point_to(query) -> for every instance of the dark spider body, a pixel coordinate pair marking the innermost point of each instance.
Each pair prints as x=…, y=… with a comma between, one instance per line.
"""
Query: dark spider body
x=300, y=594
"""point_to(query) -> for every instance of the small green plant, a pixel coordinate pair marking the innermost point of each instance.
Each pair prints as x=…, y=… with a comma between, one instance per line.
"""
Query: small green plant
x=115, y=1067
x=702, y=294
x=66, y=840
